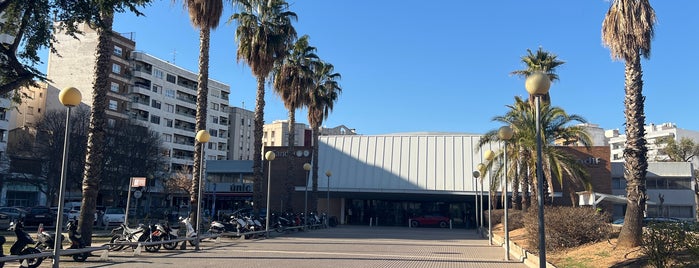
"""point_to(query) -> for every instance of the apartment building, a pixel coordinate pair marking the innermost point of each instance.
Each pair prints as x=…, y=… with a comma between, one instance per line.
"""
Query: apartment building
x=277, y=134
x=144, y=89
x=653, y=134
x=241, y=130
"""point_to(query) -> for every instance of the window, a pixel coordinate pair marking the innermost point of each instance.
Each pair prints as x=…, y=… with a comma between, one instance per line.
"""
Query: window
x=116, y=68
x=111, y=122
x=115, y=87
x=214, y=106
x=155, y=119
x=113, y=105
x=157, y=89
x=158, y=73
x=167, y=137
x=168, y=122
x=3, y=114
x=3, y=135
x=30, y=110
x=170, y=108
x=214, y=119
x=170, y=93
x=117, y=51
x=155, y=104
x=171, y=78
x=680, y=183
x=213, y=132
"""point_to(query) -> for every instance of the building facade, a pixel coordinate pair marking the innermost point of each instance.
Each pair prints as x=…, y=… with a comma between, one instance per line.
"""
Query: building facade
x=654, y=133
x=241, y=130
x=277, y=134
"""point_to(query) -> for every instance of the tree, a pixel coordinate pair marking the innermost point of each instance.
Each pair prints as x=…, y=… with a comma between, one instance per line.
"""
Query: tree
x=205, y=15
x=292, y=80
x=321, y=100
x=627, y=30
x=541, y=61
x=264, y=33
x=556, y=164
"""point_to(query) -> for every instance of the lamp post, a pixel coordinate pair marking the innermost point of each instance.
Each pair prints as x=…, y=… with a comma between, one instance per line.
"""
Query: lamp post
x=69, y=97
x=307, y=168
x=476, y=175
x=328, y=173
x=202, y=137
x=489, y=155
x=505, y=133
x=269, y=155
x=538, y=84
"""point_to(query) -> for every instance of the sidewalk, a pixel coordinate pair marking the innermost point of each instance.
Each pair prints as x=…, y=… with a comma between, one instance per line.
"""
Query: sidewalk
x=344, y=246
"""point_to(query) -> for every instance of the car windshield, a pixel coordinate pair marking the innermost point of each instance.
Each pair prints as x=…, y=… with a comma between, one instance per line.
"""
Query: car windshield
x=114, y=211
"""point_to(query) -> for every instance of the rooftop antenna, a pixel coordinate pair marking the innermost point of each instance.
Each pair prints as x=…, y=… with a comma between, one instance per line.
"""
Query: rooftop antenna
x=174, y=55
x=243, y=105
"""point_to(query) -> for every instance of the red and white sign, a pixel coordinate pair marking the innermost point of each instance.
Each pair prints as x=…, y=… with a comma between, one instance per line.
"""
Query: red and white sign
x=138, y=181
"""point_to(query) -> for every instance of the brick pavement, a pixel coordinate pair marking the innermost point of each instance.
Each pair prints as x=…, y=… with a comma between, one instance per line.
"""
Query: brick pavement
x=344, y=246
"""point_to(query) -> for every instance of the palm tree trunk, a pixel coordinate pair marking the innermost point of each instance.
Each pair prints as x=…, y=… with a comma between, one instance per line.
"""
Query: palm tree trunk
x=95, y=140
x=258, y=196
x=314, y=196
x=635, y=162
x=202, y=103
x=288, y=179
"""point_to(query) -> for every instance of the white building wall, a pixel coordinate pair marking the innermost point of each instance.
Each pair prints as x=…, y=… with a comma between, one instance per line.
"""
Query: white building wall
x=401, y=163
x=241, y=130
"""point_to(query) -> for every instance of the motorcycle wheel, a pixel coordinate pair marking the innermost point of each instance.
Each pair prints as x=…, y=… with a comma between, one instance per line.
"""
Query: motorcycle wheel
x=153, y=248
x=81, y=257
x=168, y=246
x=33, y=262
x=116, y=239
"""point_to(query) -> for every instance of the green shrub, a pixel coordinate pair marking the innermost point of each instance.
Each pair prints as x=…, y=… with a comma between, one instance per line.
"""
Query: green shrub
x=664, y=240
x=516, y=220
x=567, y=227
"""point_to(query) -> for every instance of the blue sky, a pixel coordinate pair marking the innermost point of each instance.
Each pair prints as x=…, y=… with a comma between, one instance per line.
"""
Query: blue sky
x=412, y=66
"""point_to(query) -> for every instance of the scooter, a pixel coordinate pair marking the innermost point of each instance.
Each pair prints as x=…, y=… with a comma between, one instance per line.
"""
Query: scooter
x=168, y=233
x=123, y=234
x=75, y=241
x=190, y=231
x=218, y=227
x=45, y=239
x=20, y=247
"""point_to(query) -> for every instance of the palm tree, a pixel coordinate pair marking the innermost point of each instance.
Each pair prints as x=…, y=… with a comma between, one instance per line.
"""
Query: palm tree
x=292, y=79
x=205, y=15
x=263, y=34
x=321, y=100
x=627, y=30
x=541, y=61
x=556, y=125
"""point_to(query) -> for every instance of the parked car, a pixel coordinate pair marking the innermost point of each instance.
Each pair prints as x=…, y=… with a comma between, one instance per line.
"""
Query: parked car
x=430, y=220
x=37, y=215
x=649, y=220
x=13, y=212
x=113, y=216
x=4, y=221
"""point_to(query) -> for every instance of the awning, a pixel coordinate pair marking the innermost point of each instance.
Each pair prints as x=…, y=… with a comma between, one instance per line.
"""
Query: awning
x=592, y=199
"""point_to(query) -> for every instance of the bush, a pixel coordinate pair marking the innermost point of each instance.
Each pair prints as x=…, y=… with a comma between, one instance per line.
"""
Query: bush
x=567, y=227
x=663, y=241
x=516, y=218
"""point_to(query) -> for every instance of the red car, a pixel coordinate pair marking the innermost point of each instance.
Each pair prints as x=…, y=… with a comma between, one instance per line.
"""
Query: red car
x=430, y=220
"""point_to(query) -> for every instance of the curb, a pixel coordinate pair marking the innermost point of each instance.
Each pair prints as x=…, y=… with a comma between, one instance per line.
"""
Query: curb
x=526, y=257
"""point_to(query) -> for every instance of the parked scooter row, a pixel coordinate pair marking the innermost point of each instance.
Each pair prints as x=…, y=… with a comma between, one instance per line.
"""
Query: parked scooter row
x=25, y=244
x=126, y=237
x=240, y=224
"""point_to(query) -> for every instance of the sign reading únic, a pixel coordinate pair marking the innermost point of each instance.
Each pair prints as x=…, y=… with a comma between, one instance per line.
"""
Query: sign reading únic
x=138, y=181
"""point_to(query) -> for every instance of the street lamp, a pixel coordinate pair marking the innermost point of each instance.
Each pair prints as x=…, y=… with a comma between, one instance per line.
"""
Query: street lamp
x=489, y=155
x=269, y=155
x=69, y=97
x=328, y=173
x=538, y=84
x=505, y=133
x=202, y=137
x=307, y=168
x=476, y=175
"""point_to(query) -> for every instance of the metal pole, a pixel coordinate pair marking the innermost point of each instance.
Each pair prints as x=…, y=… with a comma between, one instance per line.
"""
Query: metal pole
x=327, y=220
x=480, y=206
x=507, y=231
x=128, y=204
x=59, y=219
x=199, y=199
x=540, y=187
x=490, y=217
x=305, y=202
x=269, y=182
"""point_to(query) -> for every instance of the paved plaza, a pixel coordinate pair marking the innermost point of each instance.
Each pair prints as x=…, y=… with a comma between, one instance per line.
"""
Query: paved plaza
x=344, y=246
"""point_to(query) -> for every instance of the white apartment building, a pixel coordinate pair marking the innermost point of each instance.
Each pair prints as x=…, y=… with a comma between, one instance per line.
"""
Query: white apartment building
x=277, y=134
x=241, y=132
x=148, y=90
x=653, y=133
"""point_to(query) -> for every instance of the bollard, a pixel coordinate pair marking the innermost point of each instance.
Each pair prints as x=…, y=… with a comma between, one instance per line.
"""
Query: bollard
x=450, y=224
x=377, y=221
x=371, y=222
x=409, y=221
x=104, y=256
x=137, y=252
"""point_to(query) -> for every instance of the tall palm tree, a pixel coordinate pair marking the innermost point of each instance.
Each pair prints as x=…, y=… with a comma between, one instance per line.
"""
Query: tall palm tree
x=292, y=79
x=556, y=125
x=321, y=100
x=627, y=30
x=263, y=34
x=205, y=15
x=541, y=61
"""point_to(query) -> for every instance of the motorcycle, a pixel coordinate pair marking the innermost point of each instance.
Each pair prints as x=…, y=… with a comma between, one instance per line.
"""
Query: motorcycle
x=142, y=233
x=20, y=247
x=45, y=239
x=75, y=241
x=218, y=227
x=190, y=231
x=168, y=233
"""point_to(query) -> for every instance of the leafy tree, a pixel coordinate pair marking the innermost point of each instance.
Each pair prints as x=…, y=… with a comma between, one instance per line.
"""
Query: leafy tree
x=627, y=30
x=684, y=151
x=541, y=61
x=205, y=15
x=292, y=80
x=263, y=33
x=321, y=100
